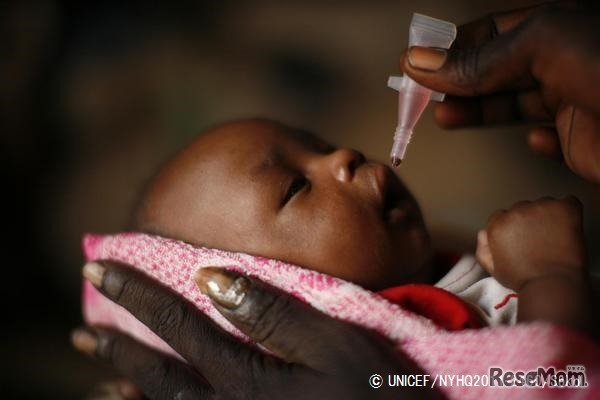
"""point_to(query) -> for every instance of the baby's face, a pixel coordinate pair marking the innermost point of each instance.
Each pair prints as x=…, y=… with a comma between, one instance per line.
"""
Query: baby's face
x=263, y=188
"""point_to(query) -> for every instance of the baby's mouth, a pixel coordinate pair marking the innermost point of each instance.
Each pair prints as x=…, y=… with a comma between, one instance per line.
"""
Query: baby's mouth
x=396, y=208
x=395, y=204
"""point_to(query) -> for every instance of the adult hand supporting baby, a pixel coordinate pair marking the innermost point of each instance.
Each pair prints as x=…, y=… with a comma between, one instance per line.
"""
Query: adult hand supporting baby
x=315, y=356
x=538, y=64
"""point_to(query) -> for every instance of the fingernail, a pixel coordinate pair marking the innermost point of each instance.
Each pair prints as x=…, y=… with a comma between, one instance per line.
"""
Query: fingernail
x=426, y=58
x=226, y=288
x=94, y=272
x=84, y=341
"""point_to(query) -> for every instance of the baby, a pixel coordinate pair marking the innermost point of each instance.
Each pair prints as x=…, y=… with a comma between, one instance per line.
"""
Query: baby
x=263, y=188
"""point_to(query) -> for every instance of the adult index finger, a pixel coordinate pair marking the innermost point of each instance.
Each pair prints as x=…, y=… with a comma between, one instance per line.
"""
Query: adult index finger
x=157, y=375
x=482, y=30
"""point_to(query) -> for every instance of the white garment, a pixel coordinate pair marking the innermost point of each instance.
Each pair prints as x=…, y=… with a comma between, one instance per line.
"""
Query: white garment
x=496, y=304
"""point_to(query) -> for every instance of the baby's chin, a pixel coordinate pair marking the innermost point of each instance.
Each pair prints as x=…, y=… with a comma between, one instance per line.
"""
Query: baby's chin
x=422, y=274
x=396, y=274
x=415, y=265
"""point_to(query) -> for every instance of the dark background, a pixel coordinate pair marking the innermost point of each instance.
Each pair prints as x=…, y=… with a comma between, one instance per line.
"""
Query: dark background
x=94, y=95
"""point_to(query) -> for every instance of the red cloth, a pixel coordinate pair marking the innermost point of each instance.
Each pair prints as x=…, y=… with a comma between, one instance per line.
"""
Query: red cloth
x=442, y=307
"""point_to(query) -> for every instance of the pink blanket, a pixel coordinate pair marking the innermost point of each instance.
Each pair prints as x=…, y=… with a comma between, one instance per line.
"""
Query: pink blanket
x=467, y=354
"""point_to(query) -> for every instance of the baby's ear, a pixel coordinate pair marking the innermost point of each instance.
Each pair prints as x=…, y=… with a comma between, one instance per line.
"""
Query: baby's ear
x=483, y=254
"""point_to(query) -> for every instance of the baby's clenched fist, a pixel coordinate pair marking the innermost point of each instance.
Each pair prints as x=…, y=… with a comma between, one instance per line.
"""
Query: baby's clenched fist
x=534, y=240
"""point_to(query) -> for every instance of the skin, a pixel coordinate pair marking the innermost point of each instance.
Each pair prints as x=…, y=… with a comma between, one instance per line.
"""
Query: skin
x=316, y=357
x=536, y=65
x=501, y=69
x=263, y=188
x=536, y=248
x=503, y=48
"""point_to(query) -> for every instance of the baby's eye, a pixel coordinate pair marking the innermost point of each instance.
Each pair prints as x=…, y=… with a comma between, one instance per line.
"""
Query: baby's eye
x=297, y=184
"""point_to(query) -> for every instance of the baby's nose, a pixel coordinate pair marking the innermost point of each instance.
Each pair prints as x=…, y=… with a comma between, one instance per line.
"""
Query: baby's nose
x=344, y=163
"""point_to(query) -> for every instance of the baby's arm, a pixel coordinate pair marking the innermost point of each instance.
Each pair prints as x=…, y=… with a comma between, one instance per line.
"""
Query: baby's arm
x=537, y=249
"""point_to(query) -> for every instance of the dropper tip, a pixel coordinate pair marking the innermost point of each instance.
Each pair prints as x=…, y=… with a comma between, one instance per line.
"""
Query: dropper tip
x=396, y=161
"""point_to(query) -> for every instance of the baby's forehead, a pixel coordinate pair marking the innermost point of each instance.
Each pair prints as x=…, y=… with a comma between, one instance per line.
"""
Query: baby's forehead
x=247, y=141
x=231, y=152
x=214, y=162
x=219, y=166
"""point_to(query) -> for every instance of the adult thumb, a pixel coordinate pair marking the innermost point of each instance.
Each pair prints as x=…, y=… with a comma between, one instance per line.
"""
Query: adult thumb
x=288, y=327
x=501, y=64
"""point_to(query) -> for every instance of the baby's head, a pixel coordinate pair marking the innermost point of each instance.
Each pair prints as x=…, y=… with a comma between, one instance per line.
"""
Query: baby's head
x=263, y=188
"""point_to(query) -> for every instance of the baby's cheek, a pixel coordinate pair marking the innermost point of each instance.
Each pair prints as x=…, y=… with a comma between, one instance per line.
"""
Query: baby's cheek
x=339, y=239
